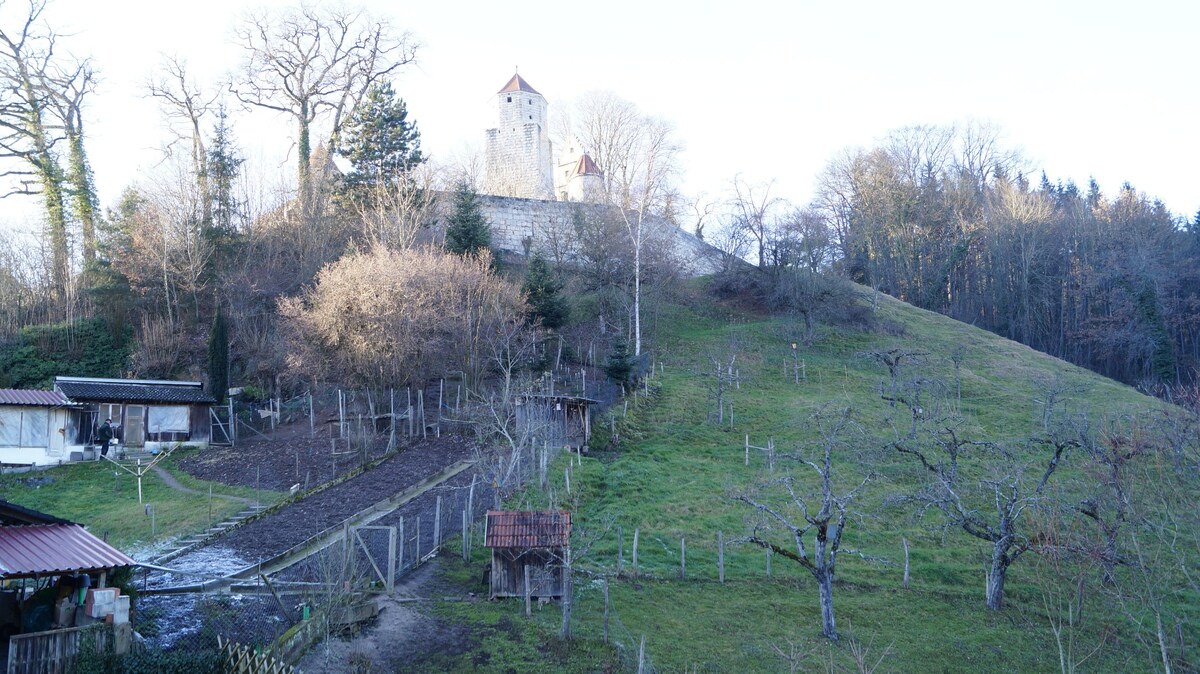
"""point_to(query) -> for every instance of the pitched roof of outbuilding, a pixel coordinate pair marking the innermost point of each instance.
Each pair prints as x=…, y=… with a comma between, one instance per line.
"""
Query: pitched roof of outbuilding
x=585, y=166
x=12, y=514
x=517, y=83
x=544, y=529
x=32, y=398
x=132, y=390
x=49, y=549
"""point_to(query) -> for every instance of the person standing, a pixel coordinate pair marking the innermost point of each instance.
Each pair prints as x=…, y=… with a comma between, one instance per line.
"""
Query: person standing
x=105, y=436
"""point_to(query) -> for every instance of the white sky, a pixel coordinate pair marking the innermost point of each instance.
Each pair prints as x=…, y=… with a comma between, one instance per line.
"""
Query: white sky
x=771, y=90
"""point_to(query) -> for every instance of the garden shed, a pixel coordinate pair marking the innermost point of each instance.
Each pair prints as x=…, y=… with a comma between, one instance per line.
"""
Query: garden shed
x=534, y=540
x=35, y=427
x=562, y=420
x=148, y=413
x=53, y=594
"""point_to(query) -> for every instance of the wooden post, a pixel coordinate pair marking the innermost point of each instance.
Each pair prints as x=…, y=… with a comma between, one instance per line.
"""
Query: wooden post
x=528, y=594
x=642, y=656
x=620, y=550
x=567, y=478
x=312, y=424
x=635, y=542
x=391, y=567
x=682, y=559
x=721, y=557
x=904, y=584
x=466, y=554
x=747, y=461
x=437, y=523
x=606, y=610
x=341, y=414
x=210, y=522
x=768, y=563
x=417, y=559
x=400, y=558
x=232, y=423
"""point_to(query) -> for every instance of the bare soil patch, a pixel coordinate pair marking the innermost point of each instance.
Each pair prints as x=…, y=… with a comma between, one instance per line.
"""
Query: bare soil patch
x=275, y=533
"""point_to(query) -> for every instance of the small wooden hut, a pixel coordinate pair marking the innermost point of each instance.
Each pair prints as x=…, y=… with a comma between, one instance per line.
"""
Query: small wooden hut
x=562, y=420
x=528, y=540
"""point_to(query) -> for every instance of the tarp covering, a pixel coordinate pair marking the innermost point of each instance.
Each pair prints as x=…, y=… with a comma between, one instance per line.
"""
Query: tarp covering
x=35, y=428
x=10, y=427
x=164, y=419
x=24, y=427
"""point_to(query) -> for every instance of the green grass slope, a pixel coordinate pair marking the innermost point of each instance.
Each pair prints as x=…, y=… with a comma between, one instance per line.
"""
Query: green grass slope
x=676, y=473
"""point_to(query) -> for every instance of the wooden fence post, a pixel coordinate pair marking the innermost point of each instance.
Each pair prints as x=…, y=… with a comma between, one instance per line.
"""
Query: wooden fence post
x=437, y=523
x=768, y=563
x=606, y=610
x=620, y=550
x=682, y=558
x=635, y=542
x=747, y=461
x=721, y=556
x=528, y=611
x=400, y=559
x=642, y=656
x=904, y=584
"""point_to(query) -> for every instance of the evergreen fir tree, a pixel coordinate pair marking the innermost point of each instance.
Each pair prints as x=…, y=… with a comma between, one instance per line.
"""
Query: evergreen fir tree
x=218, y=356
x=379, y=141
x=224, y=167
x=467, y=231
x=619, y=366
x=542, y=291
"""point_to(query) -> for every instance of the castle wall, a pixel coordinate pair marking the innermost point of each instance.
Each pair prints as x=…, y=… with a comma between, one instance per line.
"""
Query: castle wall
x=525, y=226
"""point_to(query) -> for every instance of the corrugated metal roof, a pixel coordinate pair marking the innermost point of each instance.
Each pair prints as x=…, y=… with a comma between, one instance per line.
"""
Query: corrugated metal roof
x=48, y=549
x=517, y=83
x=542, y=529
x=132, y=390
x=32, y=398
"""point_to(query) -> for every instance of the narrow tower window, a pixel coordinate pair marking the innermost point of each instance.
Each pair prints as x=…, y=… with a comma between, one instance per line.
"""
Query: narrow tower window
x=510, y=99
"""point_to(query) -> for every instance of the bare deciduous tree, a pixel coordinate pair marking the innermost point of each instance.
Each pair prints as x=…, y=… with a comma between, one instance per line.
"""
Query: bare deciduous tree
x=1003, y=486
x=184, y=102
x=312, y=61
x=827, y=522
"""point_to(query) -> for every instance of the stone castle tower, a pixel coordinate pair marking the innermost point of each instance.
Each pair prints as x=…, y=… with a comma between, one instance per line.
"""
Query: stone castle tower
x=519, y=150
x=520, y=161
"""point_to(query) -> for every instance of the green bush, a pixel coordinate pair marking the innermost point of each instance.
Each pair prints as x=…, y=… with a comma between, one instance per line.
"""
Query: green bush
x=85, y=348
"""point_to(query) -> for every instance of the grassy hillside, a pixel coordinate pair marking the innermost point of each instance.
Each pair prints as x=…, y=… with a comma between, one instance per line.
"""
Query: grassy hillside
x=676, y=473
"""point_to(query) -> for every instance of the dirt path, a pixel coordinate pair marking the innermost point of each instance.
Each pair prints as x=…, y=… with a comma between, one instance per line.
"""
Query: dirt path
x=171, y=482
x=405, y=631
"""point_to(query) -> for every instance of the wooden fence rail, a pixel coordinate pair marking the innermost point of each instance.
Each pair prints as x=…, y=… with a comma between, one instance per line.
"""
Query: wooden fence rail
x=241, y=659
x=55, y=651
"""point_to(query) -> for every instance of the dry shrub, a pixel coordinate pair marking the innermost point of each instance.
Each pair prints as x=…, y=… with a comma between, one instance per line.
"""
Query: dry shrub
x=387, y=318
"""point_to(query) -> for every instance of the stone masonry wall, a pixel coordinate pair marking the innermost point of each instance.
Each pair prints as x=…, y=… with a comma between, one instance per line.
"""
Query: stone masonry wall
x=527, y=225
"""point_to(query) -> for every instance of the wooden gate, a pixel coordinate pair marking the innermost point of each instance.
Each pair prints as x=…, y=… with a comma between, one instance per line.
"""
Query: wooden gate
x=382, y=569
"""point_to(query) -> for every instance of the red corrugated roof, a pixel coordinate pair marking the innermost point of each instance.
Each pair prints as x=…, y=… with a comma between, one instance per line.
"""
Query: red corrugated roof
x=544, y=529
x=32, y=398
x=48, y=549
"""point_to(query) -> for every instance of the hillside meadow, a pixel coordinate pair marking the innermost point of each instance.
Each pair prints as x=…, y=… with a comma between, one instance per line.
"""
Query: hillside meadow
x=675, y=474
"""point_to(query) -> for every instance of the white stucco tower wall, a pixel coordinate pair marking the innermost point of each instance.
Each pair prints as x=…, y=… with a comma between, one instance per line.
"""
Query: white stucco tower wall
x=519, y=152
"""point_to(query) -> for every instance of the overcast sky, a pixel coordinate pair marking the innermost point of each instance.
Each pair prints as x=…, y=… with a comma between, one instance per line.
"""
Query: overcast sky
x=771, y=90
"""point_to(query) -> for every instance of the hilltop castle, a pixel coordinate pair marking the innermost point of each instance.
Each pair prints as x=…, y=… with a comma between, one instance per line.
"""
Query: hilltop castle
x=520, y=155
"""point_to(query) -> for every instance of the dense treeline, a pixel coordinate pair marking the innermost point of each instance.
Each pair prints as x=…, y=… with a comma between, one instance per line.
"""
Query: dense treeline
x=945, y=219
